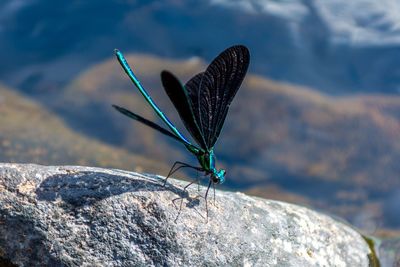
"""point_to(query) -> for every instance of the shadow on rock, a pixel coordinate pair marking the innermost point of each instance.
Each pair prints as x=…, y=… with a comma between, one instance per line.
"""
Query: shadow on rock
x=84, y=188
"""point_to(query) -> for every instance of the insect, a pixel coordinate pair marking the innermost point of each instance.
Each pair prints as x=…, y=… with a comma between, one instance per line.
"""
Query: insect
x=202, y=104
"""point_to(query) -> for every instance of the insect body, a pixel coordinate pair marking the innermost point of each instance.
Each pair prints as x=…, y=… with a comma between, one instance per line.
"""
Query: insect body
x=202, y=104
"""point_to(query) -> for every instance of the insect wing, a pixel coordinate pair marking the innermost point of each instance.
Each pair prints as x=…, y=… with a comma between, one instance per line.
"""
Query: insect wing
x=210, y=93
x=179, y=97
x=151, y=124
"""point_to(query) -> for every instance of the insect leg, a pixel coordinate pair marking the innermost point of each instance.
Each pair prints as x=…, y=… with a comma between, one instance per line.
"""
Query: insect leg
x=181, y=198
x=213, y=185
x=184, y=189
x=181, y=165
x=198, y=182
x=205, y=197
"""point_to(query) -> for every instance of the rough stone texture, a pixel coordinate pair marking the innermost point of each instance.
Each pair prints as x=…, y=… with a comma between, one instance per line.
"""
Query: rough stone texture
x=81, y=216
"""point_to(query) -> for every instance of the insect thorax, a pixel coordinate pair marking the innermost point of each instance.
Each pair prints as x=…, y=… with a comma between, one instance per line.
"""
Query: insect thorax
x=207, y=161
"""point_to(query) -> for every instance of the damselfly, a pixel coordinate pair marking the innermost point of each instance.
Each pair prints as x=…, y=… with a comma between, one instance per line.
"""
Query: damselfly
x=202, y=104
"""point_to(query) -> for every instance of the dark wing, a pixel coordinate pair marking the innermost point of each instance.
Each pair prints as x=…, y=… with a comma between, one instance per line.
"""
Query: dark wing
x=210, y=93
x=179, y=97
x=146, y=122
x=192, y=88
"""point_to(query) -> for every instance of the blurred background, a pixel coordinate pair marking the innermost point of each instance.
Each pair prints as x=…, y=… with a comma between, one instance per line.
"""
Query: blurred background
x=316, y=122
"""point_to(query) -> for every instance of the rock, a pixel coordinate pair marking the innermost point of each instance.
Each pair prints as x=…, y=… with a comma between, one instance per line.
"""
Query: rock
x=83, y=216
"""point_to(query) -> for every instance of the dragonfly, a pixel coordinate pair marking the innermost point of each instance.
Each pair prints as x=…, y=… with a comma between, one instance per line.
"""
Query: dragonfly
x=202, y=104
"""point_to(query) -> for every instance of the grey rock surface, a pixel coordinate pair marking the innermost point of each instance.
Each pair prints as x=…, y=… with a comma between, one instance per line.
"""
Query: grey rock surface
x=82, y=216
